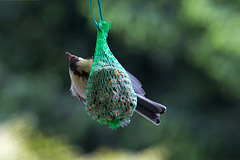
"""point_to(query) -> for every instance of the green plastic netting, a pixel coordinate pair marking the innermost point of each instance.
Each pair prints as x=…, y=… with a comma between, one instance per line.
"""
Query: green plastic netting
x=110, y=98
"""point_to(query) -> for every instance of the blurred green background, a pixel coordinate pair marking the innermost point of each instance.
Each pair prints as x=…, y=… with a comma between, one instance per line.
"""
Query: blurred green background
x=186, y=53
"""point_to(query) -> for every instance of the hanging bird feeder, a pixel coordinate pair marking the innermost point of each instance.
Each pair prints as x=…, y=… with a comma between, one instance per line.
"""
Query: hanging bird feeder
x=110, y=98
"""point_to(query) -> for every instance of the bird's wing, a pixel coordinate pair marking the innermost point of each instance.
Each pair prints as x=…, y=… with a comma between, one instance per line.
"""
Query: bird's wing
x=145, y=107
x=82, y=100
x=137, y=86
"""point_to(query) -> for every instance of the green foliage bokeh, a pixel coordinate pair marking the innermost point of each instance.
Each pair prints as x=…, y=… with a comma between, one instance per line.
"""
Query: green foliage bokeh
x=186, y=54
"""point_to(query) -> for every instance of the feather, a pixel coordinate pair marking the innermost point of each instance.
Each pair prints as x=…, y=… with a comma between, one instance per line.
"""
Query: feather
x=145, y=107
x=137, y=86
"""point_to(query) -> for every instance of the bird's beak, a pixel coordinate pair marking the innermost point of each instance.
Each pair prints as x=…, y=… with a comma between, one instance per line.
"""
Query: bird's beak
x=69, y=56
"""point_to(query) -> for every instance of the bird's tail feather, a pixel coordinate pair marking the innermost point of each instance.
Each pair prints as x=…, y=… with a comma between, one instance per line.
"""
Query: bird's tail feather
x=149, y=109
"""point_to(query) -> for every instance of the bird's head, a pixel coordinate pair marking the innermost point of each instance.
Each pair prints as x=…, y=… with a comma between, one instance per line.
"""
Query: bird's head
x=79, y=66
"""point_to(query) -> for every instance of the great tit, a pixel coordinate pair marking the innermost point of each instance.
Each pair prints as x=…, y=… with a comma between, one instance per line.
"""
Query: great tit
x=79, y=70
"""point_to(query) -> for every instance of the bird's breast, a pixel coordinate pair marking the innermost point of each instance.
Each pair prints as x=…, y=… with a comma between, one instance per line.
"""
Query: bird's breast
x=79, y=84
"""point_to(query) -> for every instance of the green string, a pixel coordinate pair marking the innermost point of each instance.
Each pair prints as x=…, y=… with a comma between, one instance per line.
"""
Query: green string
x=100, y=10
x=100, y=13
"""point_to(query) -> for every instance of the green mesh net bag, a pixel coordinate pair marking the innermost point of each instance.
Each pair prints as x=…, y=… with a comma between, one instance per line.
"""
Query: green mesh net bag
x=110, y=98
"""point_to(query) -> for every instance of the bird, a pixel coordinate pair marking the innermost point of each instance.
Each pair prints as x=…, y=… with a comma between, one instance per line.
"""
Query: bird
x=79, y=71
